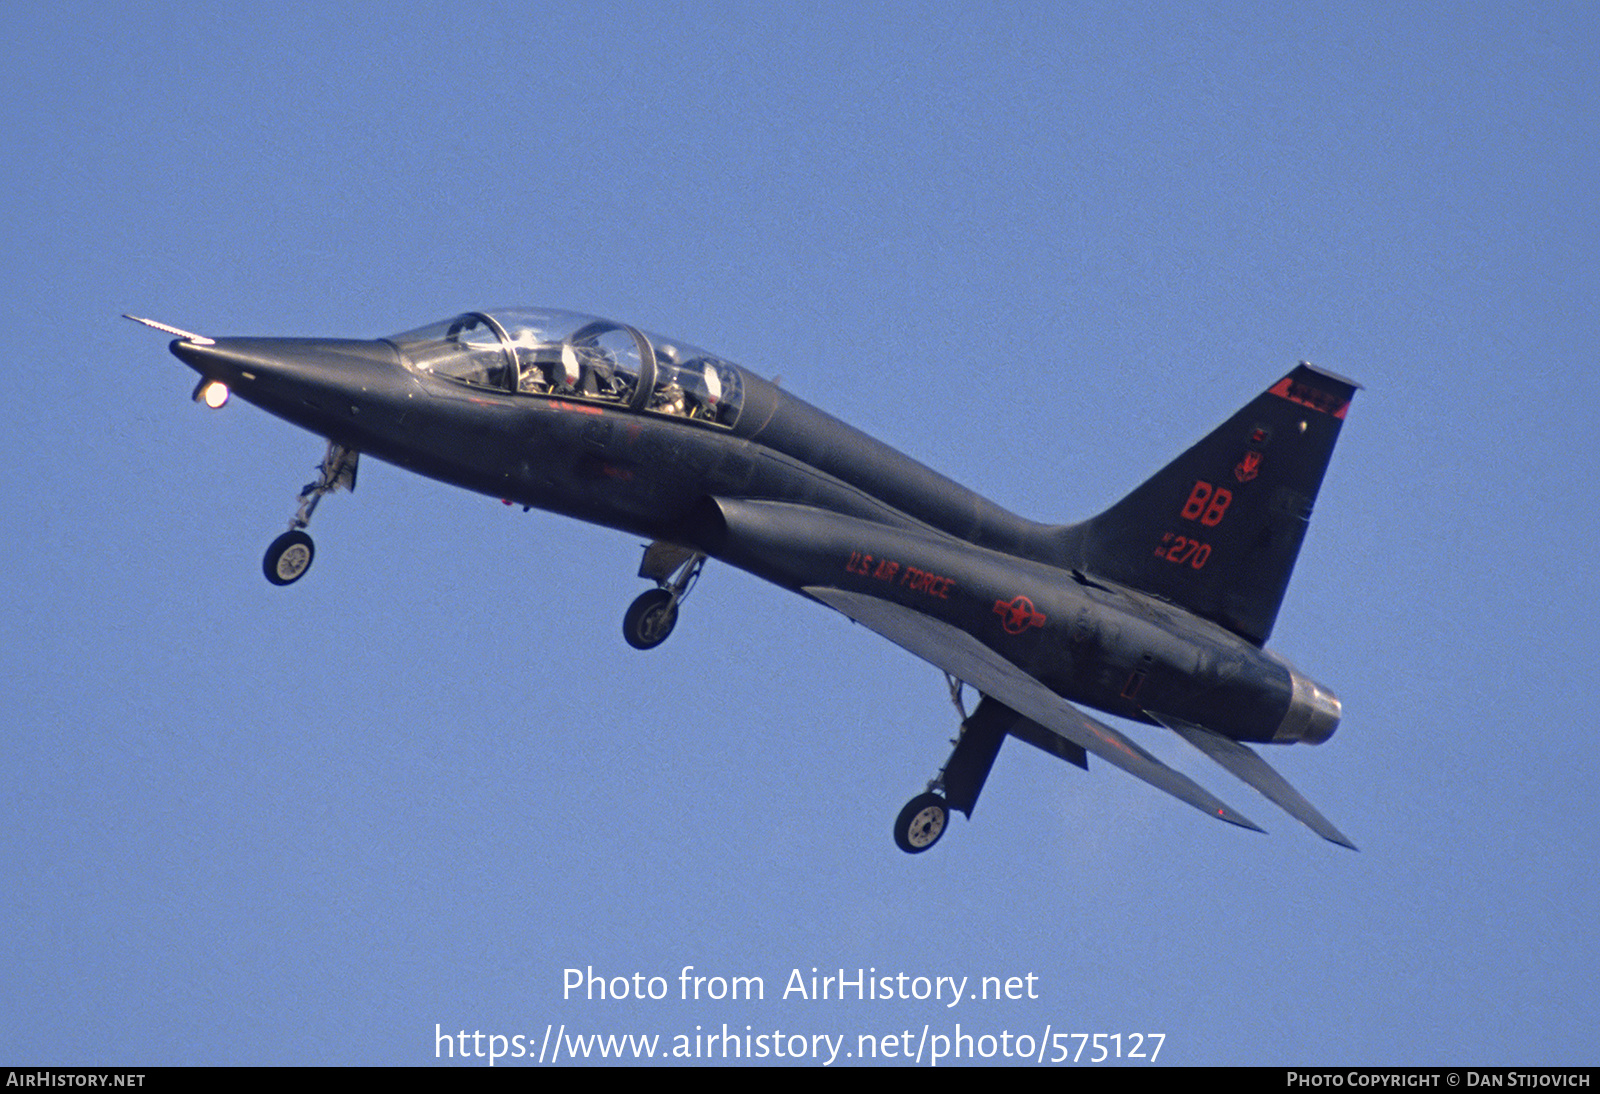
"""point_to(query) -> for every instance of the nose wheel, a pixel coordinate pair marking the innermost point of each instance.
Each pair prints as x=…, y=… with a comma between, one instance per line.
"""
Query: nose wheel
x=290, y=555
x=288, y=558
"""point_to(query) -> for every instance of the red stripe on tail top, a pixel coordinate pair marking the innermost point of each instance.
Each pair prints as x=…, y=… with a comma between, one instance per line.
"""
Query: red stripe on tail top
x=1298, y=391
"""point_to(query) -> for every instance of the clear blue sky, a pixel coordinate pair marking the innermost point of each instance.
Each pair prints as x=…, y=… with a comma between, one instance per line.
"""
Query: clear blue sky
x=1042, y=248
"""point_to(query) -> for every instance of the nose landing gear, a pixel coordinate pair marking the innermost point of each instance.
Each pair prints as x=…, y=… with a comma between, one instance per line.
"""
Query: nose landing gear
x=291, y=554
x=288, y=557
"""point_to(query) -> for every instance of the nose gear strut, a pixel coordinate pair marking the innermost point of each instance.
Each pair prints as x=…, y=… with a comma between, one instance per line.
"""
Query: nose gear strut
x=290, y=555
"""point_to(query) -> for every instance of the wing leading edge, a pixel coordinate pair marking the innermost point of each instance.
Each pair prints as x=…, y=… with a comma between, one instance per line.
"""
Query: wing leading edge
x=965, y=658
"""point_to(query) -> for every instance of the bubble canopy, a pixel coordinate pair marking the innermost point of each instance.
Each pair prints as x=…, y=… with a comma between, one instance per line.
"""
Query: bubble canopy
x=545, y=353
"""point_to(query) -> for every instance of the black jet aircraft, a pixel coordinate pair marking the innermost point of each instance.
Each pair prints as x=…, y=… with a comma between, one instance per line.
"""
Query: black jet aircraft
x=1156, y=610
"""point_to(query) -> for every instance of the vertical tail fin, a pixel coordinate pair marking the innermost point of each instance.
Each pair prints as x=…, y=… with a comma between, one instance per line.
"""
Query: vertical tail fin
x=1217, y=530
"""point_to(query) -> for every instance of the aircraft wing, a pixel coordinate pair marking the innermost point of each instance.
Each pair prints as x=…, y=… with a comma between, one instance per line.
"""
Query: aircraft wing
x=965, y=658
x=1240, y=760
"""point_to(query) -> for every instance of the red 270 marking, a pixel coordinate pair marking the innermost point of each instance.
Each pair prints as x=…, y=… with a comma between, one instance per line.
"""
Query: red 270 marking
x=1182, y=549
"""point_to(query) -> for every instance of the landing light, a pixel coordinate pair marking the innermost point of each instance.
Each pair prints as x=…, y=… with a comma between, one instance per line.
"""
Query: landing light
x=213, y=393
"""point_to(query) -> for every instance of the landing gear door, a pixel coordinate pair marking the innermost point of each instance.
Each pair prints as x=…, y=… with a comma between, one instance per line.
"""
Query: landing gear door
x=662, y=559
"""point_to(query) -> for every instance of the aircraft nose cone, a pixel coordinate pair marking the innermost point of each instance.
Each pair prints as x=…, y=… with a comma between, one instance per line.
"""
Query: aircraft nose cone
x=240, y=362
x=329, y=386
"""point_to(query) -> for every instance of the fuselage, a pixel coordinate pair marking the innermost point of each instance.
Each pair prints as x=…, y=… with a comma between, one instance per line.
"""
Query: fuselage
x=602, y=422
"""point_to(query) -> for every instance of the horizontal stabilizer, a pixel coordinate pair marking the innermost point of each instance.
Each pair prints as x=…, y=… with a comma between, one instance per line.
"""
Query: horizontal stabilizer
x=967, y=659
x=1241, y=761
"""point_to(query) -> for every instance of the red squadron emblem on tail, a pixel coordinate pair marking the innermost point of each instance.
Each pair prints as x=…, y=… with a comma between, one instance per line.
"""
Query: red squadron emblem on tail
x=1017, y=615
x=1247, y=468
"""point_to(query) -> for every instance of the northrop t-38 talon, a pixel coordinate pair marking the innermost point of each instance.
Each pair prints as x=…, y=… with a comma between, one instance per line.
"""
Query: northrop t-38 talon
x=1155, y=611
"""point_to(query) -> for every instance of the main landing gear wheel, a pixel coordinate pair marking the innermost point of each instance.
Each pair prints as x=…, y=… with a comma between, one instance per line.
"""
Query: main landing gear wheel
x=921, y=823
x=650, y=619
x=288, y=558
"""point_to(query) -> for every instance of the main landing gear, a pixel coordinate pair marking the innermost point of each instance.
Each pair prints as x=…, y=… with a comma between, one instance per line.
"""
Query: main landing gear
x=652, y=616
x=290, y=555
x=921, y=822
x=925, y=817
